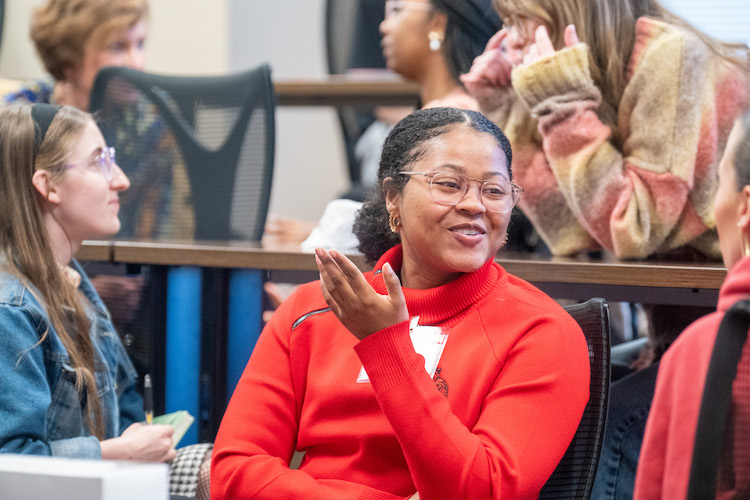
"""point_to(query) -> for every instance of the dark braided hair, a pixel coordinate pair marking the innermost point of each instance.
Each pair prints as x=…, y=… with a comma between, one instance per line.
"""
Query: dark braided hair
x=407, y=143
x=470, y=25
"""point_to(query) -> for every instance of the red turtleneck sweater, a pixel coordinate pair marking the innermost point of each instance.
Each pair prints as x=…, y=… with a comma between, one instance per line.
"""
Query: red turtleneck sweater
x=508, y=393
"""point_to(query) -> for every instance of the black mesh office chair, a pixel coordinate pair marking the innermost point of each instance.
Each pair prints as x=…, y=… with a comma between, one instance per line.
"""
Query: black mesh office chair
x=198, y=151
x=352, y=41
x=574, y=476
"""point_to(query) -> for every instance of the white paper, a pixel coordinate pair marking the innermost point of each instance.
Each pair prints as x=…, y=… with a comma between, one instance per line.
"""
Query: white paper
x=26, y=477
x=429, y=341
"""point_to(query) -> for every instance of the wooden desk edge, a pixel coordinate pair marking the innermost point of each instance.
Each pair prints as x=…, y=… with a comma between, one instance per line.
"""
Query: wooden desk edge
x=646, y=274
x=345, y=92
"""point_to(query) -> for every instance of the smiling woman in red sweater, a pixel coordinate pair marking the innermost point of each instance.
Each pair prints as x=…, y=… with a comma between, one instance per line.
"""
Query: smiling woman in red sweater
x=438, y=374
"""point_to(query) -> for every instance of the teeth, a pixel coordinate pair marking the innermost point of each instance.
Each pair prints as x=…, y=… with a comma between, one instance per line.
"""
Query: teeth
x=468, y=232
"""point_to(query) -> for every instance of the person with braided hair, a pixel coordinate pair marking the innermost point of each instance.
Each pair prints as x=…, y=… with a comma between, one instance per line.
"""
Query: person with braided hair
x=436, y=375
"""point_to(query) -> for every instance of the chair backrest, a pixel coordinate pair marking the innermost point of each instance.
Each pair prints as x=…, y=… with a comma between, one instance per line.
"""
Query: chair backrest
x=574, y=476
x=199, y=151
x=348, y=28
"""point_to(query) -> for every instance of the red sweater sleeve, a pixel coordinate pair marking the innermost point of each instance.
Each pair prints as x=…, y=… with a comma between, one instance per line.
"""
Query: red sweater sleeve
x=257, y=436
x=526, y=422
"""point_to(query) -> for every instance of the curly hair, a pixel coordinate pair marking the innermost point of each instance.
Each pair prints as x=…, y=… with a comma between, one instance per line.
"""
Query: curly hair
x=61, y=28
x=407, y=143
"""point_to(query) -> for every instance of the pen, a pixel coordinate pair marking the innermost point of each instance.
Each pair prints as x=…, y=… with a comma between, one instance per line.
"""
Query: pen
x=148, y=399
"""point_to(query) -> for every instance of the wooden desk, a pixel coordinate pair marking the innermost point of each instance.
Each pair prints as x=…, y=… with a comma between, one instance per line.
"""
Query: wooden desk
x=213, y=301
x=344, y=90
x=636, y=281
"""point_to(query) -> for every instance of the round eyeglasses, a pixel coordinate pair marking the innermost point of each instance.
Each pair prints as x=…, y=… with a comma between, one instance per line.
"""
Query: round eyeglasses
x=105, y=161
x=498, y=195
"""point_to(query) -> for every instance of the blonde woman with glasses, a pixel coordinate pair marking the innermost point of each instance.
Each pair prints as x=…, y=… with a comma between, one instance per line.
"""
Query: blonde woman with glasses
x=69, y=388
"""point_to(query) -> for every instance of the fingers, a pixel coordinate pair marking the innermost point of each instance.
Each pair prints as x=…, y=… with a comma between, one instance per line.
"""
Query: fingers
x=543, y=42
x=532, y=55
x=393, y=284
x=496, y=40
x=570, y=35
x=342, y=279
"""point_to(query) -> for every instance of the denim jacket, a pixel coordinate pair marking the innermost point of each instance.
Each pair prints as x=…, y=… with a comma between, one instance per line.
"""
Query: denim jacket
x=41, y=412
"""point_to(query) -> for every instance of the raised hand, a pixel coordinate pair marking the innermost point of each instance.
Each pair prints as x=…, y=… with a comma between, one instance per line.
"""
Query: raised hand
x=360, y=309
x=542, y=45
x=490, y=70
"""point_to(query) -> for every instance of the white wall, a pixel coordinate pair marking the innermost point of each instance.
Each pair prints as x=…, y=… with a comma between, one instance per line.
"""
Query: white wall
x=216, y=36
x=310, y=159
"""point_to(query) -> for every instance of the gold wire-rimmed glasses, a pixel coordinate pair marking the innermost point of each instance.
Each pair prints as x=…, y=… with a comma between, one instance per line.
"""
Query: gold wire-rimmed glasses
x=498, y=195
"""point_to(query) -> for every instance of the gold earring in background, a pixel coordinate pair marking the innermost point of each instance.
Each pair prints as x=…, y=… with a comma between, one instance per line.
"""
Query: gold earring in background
x=436, y=39
x=393, y=222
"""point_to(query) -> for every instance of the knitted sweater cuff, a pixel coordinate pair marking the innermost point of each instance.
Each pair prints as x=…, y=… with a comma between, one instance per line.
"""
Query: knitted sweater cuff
x=562, y=76
x=389, y=357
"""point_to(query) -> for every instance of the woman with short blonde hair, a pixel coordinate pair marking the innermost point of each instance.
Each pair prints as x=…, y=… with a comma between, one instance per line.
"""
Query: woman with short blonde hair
x=76, y=38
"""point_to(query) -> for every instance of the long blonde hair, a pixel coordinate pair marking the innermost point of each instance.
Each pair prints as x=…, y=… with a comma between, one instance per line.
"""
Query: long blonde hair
x=24, y=240
x=608, y=28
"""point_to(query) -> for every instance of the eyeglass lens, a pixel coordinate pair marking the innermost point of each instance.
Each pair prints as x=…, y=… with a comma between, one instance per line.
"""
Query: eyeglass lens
x=448, y=188
x=106, y=161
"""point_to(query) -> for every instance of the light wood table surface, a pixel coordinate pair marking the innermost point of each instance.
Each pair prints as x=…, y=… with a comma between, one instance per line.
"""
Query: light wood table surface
x=635, y=281
x=345, y=90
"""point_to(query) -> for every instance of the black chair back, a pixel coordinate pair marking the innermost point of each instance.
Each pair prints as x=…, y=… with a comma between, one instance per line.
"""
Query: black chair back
x=199, y=151
x=348, y=27
x=574, y=476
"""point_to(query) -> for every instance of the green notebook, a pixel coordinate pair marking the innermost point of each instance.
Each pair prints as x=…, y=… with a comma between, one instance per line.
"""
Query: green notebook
x=180, y=422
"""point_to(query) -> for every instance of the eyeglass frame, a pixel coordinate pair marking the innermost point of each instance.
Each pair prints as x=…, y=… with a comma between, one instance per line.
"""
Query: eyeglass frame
x=390, y=5
x=107, y=167
x=515, y=195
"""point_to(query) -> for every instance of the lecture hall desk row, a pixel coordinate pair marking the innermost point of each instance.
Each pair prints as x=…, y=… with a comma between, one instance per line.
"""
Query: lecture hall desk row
x=234, y=274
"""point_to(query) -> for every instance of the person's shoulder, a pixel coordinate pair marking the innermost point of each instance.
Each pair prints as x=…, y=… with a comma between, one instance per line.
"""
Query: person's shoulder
x=13, y=292
x=31, y=91
x=694, y=345
x=19, y=302
x=654, y=37
x=527, y=303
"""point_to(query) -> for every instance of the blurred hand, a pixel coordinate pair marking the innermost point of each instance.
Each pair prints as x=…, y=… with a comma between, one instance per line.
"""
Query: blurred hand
x=151, y=443
x=276, y=295
x=360, y=309
x=415, y=496
x=490, y=70
x=287, y=231
x=542, y=45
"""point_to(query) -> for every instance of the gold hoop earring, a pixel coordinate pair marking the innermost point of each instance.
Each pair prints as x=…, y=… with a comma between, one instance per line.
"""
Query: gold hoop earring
x=744, y=245
x=393, y=222
x=436, y=39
